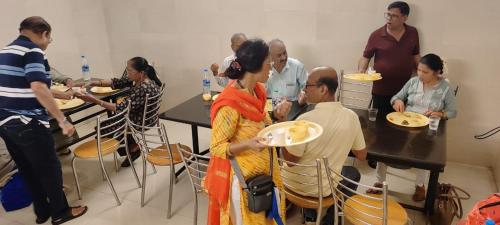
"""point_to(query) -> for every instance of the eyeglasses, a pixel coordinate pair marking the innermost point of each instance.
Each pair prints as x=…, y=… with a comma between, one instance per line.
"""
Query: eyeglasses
x=309, y=85
x=390, y=16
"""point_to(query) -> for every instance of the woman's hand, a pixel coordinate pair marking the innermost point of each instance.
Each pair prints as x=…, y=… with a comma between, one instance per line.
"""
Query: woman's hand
x=256, y=143
x=398, y=105
x=88, y=98
x=432, y=113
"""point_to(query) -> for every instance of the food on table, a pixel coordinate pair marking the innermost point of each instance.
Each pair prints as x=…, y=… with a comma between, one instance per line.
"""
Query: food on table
x=405, y=122
x=206, y=97
x=215, y=97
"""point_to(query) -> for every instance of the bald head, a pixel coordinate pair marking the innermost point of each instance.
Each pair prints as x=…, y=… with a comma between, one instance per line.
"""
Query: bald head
x=279, y=55
x=237, y=40
x=325, y=76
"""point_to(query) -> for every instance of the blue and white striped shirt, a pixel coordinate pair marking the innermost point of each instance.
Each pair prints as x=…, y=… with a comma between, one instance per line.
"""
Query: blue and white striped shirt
x=21, y=63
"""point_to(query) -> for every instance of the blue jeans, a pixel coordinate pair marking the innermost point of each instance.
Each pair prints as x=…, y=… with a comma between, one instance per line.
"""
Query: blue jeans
x=348, y=172
x=32, y=148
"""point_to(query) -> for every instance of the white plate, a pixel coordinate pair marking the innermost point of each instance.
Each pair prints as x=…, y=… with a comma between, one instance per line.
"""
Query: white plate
x=68, y=104
x=281, y=137
x=407, y=119
x=102, y=90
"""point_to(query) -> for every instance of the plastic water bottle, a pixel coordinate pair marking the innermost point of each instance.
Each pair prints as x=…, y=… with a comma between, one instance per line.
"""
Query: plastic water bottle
x=207, y=94
x=85, y=69
x=489, y=222
x=275, y=98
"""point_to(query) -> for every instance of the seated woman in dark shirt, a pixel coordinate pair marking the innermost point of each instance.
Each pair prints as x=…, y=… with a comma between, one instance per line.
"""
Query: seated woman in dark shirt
x=141, y=78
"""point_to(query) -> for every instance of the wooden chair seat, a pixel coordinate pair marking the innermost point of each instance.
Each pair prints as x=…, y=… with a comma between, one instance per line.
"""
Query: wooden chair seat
x=89, y=148
x=159, y=156
x=307, y=201
x=396, y=213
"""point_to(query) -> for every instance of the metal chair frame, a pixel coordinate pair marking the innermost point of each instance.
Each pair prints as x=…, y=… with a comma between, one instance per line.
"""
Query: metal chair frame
x=196, y=166
x=118, y=133
x=147, y=139
x=334, y=179
x=289, y=182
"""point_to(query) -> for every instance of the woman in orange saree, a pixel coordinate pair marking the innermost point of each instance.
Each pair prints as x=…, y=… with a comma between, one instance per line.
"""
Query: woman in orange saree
x=237, y=116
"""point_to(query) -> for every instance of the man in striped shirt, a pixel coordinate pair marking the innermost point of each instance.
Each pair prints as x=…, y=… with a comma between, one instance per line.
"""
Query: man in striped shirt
x=25, y=104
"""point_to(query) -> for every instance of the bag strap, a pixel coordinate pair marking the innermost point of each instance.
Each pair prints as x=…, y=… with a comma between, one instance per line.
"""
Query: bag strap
x=239, y=174
x=489, y=205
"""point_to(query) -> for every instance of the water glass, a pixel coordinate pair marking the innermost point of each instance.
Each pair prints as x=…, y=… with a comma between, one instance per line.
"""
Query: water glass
x=434, y=122
x=372, y=114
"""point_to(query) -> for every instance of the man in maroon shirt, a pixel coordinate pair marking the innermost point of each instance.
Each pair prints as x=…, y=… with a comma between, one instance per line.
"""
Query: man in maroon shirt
x=397, y=53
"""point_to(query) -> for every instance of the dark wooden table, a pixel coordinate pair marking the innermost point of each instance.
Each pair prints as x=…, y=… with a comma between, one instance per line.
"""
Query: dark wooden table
x=388, y=143
x=62, y=141
x=412, y=147
x=196, y=113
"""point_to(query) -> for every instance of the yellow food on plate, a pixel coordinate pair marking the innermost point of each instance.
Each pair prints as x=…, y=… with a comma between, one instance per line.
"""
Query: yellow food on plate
x=67, y=104
x=364, y=76
x=101, y=90
x=299, y=131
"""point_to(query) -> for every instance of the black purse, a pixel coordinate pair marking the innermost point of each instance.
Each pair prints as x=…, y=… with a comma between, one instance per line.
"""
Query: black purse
x=259, y=188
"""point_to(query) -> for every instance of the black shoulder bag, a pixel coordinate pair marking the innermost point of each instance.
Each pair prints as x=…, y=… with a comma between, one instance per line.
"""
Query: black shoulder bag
x=259, y=188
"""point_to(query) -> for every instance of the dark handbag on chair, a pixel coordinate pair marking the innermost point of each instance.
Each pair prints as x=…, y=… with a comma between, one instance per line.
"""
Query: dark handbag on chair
x=448, y=204
x=259, y=188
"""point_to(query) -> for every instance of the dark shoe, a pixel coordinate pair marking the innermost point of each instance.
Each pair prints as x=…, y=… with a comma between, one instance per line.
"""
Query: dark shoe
x=41, y=219
x=373, y=191
x=372, y=164
x=133, y=156
x=419, y=194
x=69, y=215
x=64, y=152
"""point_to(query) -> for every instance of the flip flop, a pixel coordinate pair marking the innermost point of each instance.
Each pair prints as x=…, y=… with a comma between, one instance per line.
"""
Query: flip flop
x=373, y=191
x=69, y=215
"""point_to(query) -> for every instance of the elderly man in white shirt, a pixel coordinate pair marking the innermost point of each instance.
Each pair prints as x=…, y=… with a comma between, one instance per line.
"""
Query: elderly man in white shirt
x=236, y=40
x=341, y=134
x=288, y=75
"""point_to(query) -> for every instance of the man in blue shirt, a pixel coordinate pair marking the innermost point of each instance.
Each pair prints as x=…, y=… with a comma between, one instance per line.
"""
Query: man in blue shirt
x=288, y=75
x=25, y=104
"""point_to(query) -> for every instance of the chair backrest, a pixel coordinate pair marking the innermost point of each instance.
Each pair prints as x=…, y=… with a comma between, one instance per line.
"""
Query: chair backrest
x=196, y=166
x=152, y=106
x=152, y=138
x=355, y=205
x=110, y=130
x=302, y=181
x=354, y=94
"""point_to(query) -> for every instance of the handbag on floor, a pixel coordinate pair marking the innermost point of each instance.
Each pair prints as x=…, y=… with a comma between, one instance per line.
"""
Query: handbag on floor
x=259, y=188
x=448, y=204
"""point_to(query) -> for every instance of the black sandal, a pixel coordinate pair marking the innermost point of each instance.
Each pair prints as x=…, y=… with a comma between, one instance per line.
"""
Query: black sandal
x=373, y=191
x=69, y=215
x=41, y=219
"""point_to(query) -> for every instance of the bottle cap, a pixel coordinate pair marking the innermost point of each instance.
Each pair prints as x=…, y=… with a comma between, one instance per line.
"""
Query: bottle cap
x=489, y=222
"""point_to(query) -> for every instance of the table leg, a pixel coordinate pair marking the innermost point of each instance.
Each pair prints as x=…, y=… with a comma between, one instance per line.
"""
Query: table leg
x=194, y=134
x=431, y=192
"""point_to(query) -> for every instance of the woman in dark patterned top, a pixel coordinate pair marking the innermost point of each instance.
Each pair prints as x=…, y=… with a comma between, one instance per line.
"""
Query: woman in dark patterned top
x=141, y=78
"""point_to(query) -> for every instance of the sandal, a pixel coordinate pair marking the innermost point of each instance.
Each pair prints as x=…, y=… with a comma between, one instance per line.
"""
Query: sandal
x=41, y=219
x=373, y=191
x=69, y=215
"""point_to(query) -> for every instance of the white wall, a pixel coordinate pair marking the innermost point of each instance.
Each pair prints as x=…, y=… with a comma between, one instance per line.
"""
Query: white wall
x=183, y=36
x=78, y=28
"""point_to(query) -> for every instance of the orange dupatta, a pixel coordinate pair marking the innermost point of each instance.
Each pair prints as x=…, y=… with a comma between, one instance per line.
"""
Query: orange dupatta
x=219, y=169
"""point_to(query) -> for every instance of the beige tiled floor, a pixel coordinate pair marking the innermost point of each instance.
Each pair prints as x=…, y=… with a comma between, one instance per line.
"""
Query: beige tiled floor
x=104, y=210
